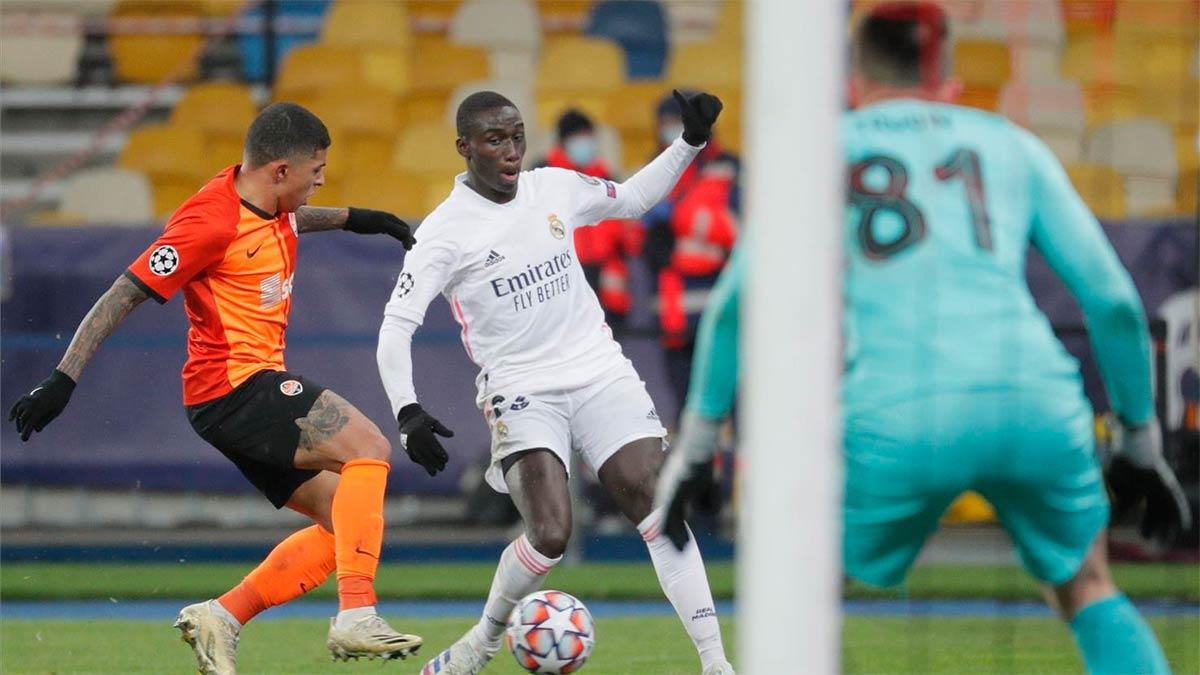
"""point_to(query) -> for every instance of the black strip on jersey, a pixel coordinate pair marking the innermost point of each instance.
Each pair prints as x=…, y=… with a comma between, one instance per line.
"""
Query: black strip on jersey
x=257, y=211
x=145, y=289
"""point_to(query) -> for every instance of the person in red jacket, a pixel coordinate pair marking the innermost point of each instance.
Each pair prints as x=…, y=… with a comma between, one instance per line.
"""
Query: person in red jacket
x=689, y=237
x=602, y=249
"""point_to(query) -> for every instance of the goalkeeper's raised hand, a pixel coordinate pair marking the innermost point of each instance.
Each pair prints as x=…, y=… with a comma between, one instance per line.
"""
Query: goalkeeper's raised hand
x=684, y=475
x=1138, y=475
x=418, y=434
x=699, y=112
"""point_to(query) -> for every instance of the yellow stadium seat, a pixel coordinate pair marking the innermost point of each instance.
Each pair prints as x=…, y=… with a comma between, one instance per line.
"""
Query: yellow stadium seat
x=1187, y=149
x=1186, y=193
x=705, y=65
x=1101, y=187
x=389, y=190
x=637, y=147
x=312, y=67
x=729, y=28
x=361, y=22
x=444, y=66
x=632, y=106
x=581, y=64
x=552, y=104
x=329, y=194
x=164, y=151
x=1107, y=102
x=980, y=96
x=1087, y=18
x=432, y=13
x=386, y=67
x=1157, y=19
x=221, y=7
x=428, y=149
x=170, y=192
x=357, y=108
x=982, y=63
x=150, y=58
x=217, y=107
x=564, y=15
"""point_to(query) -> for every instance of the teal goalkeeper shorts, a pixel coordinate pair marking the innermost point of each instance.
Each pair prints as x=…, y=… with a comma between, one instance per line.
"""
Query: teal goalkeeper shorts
x=1029, y=451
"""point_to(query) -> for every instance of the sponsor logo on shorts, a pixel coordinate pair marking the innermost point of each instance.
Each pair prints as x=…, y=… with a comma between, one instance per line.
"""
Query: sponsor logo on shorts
x=495, y=408
x=652, y=415
x=291, y=387
x=165, y=260
x=519, y=403
x=557, y=227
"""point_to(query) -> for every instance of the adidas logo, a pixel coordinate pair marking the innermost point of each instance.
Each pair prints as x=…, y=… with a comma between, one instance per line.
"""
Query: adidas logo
x=492, y=259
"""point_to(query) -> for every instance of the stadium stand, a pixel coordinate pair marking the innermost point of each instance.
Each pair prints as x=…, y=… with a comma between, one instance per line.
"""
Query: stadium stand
x=1066, y=69
x=107, y=197
x=640, y=27
x=171, y=157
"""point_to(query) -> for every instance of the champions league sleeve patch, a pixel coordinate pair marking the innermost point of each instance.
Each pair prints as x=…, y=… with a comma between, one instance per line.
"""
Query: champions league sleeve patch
x=164, y=260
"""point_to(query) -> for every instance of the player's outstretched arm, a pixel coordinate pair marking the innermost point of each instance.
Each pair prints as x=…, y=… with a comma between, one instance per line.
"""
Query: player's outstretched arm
x=1074, y=245
x=39, y=407
x=653, y=182
x=711, y=394
x=352, y=219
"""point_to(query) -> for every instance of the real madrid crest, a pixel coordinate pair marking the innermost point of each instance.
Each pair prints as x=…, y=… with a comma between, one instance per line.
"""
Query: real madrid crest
x=501, y=430
x=557, y=227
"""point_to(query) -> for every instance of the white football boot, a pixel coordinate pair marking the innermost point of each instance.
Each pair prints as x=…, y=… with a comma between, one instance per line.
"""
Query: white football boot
x=371, y=637
x=719, y=668
x=468, y=656
x=211, y=636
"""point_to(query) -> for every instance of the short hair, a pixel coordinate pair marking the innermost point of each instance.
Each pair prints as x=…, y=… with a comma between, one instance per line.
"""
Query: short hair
x=284, y=130
x=903, y=44
x=573, y=122
x=473, y=105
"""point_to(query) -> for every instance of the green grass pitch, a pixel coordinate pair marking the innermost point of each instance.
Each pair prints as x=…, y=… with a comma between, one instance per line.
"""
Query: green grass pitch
x=654, y=644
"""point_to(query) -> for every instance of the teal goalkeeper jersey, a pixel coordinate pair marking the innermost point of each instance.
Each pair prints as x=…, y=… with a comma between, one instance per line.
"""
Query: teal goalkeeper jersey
x=943, y=203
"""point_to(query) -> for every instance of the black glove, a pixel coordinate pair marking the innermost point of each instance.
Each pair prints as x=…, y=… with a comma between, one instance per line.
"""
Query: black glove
x=1138, y=476
x=699, y=113
x=33, y=411
x=417, y=429
x=368, y=221
x=694, y=482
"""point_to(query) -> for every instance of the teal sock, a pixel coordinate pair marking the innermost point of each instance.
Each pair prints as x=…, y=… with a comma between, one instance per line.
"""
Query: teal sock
x=1115, y=639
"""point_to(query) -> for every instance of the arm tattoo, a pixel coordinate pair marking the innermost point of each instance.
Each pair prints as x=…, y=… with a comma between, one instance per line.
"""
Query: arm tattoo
x=104, y=317
x=325, y=419
x=319, y=218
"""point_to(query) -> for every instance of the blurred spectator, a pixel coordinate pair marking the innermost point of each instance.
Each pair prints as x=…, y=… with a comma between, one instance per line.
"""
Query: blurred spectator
x=602, y=249
x=688, y=239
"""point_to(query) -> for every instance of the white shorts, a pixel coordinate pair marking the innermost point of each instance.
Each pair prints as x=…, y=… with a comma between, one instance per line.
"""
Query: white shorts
x=596, y=419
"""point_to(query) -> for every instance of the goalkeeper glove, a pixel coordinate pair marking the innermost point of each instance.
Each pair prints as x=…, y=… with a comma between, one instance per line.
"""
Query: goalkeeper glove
x=685, y=474
x=699, y=113
x=1138, y=474
x=368, y=221
x=33, y=411
x=418, y=434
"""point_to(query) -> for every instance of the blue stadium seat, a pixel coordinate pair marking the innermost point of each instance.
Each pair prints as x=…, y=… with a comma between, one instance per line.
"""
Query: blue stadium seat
x=639, y=27
x=253, y=45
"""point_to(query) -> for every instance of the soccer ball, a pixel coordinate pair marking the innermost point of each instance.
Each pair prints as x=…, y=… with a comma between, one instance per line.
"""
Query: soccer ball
x=550, y=632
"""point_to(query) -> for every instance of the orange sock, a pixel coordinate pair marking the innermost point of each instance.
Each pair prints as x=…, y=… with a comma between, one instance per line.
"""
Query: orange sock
x=297, y=565
x=358, y=530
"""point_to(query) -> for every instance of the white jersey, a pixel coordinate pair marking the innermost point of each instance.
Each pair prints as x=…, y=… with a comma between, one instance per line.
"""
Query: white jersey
x=511, y=275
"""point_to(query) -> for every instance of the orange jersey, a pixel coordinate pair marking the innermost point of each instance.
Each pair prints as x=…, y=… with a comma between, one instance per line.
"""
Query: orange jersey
x=235, y=265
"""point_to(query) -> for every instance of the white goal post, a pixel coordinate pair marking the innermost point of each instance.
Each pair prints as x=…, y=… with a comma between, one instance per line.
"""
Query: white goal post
x=789, y=545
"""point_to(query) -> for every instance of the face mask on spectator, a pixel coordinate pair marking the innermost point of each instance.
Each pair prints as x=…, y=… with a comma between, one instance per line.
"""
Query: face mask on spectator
x=667, y=133
x=582, y=149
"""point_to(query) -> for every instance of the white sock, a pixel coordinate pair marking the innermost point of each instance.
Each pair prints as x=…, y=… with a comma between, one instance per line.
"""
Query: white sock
x=683, y=579
x=346, y=617
x=521, y=571
x=219, y=610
